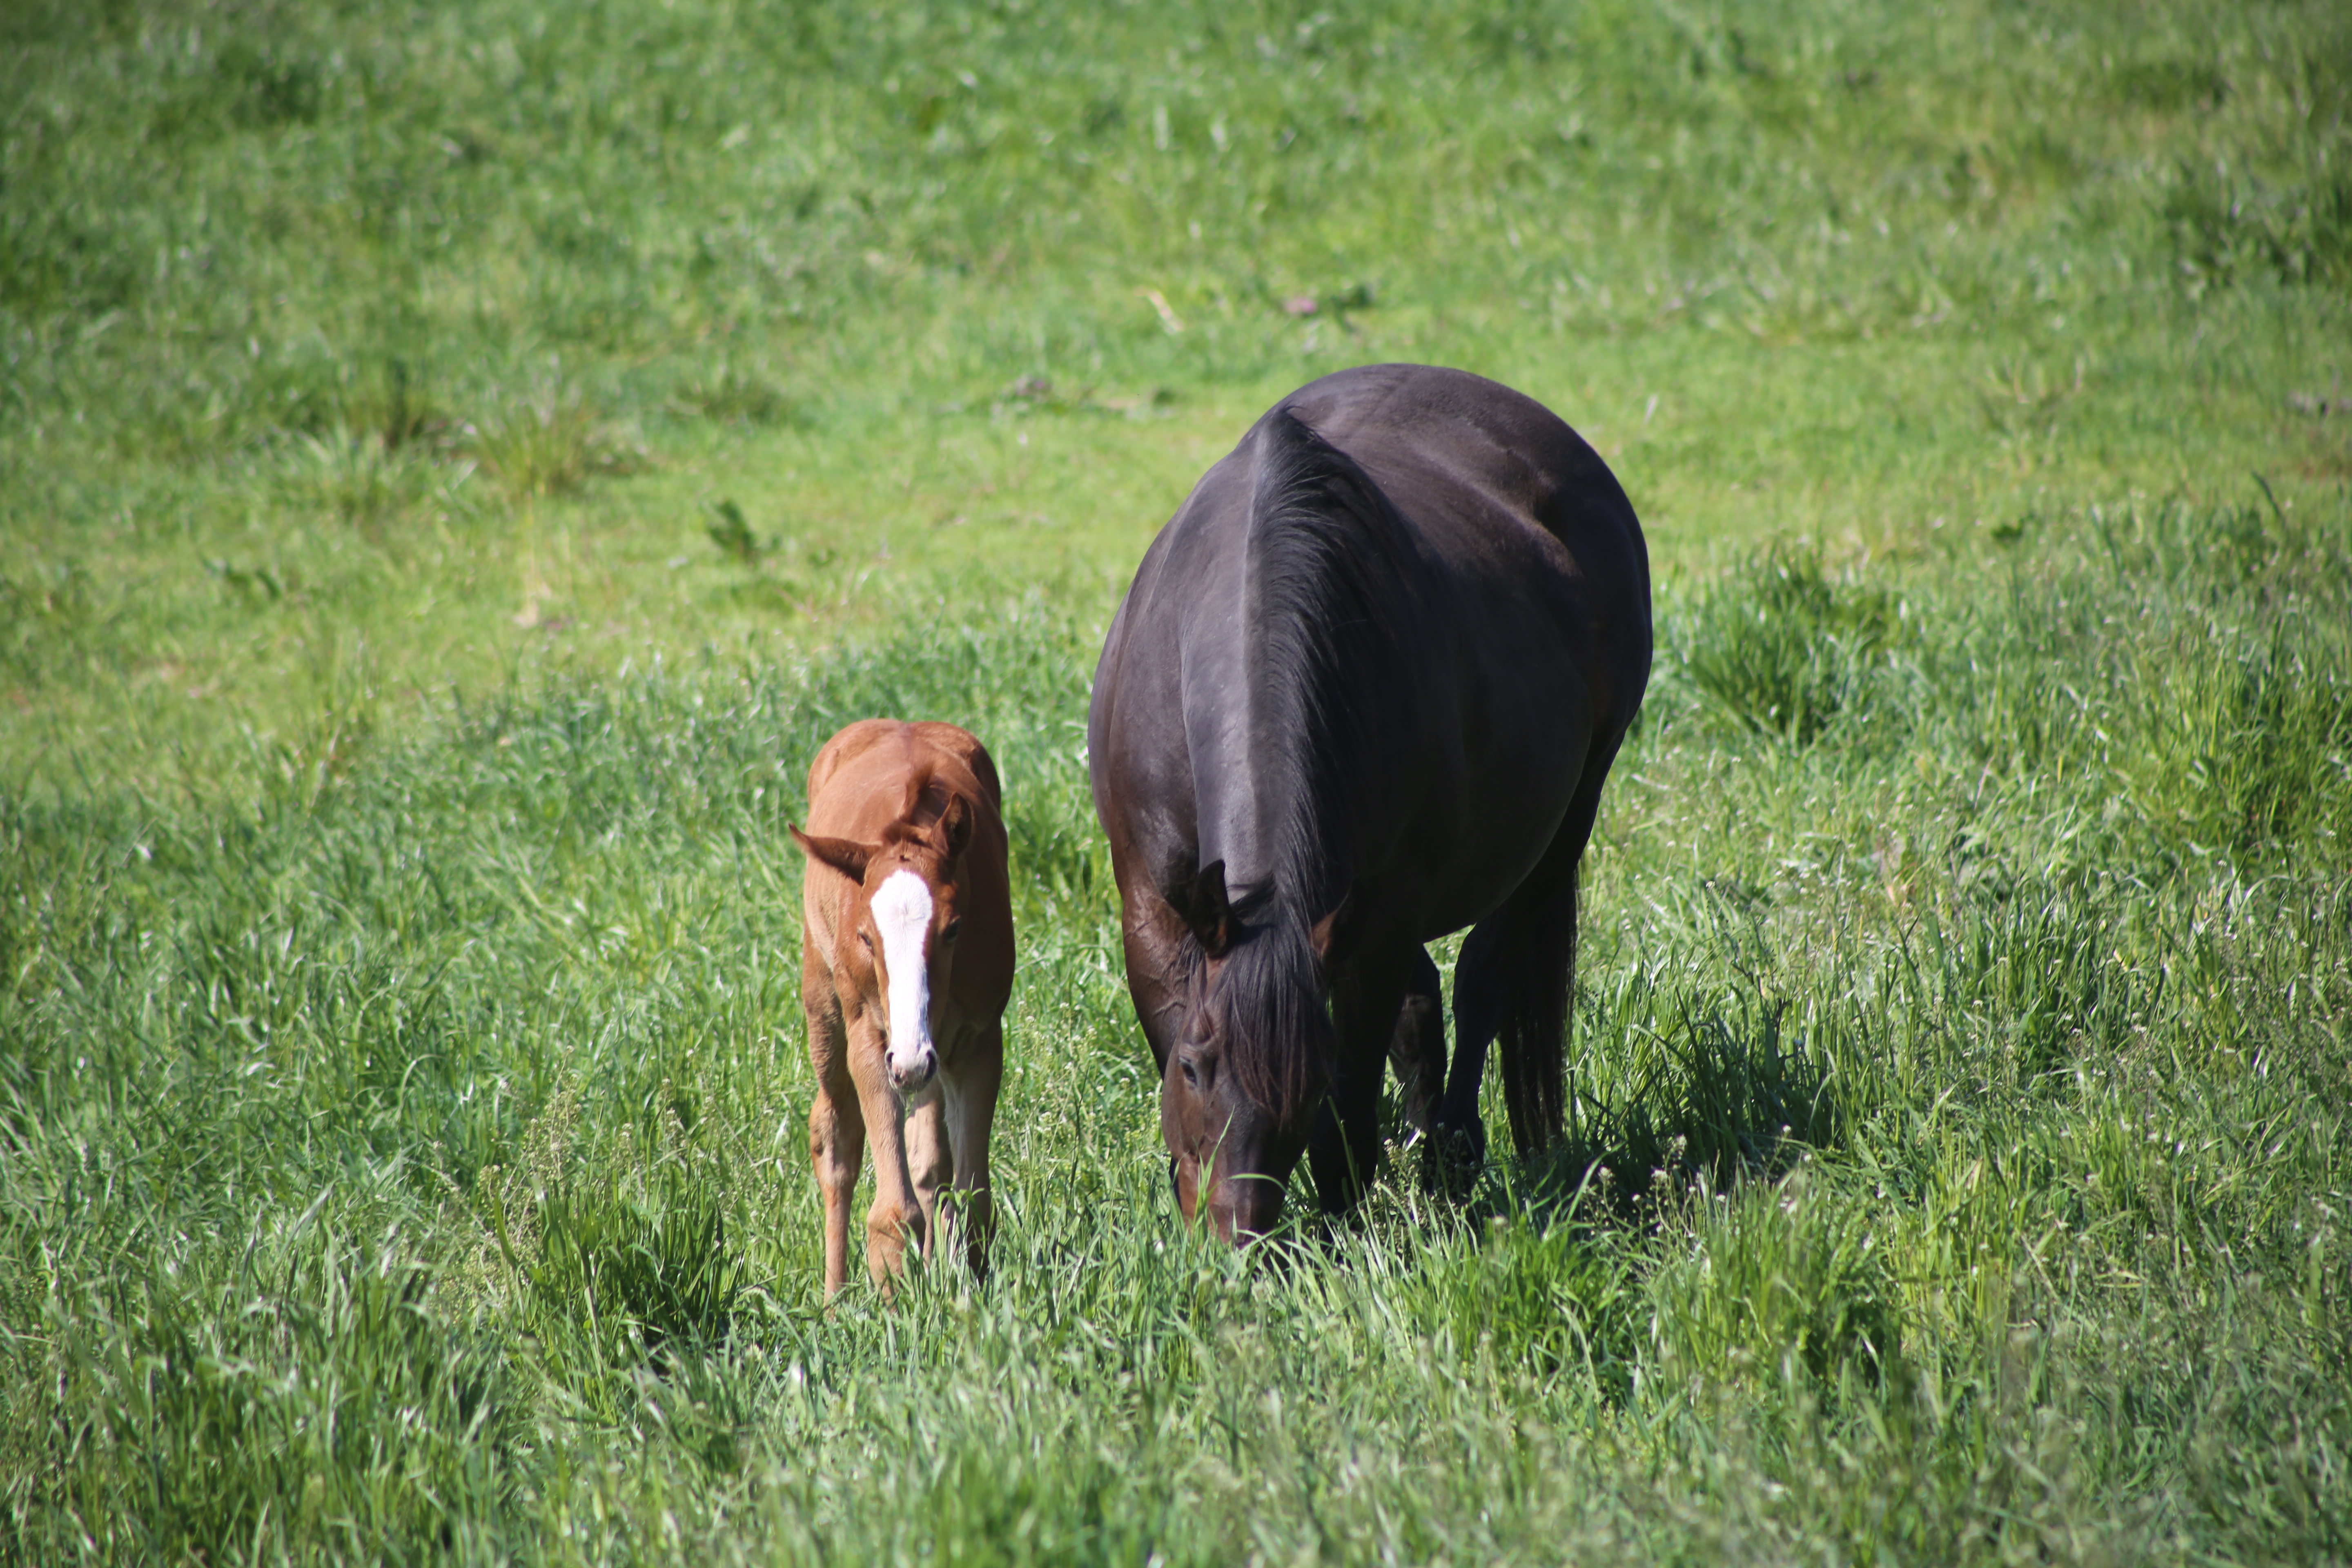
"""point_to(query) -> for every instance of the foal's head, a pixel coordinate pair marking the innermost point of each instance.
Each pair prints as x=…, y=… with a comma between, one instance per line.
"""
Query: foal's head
x=1240, y=1087
x=896, y=945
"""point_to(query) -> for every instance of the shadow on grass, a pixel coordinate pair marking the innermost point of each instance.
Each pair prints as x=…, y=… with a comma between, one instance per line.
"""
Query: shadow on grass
x=1729, y=1095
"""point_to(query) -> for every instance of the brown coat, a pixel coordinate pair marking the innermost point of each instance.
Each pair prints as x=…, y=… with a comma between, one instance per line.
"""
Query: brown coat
x=907, y=860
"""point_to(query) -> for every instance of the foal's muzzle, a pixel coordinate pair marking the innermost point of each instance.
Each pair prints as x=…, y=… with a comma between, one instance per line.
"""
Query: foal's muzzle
x=914, y=1075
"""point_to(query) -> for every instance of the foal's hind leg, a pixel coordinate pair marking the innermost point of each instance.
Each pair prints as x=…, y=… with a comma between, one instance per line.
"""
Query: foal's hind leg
x=930, y=1159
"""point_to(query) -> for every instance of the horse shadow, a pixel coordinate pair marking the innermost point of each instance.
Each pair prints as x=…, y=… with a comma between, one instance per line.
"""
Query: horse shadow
x=1724, y=1093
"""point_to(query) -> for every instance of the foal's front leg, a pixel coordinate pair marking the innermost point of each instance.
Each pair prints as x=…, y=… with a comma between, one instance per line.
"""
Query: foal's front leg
x=897, y=1217
x=837, y=1124
x=836, y=1145
x=947, y=1149
x=930, y=1157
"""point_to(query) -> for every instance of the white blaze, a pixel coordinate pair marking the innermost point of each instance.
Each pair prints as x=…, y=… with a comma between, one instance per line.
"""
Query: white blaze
x=902, y=911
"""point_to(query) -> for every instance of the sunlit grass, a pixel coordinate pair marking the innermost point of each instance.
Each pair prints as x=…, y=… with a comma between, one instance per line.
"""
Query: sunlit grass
x=1958, y=1085
x=1863, y=273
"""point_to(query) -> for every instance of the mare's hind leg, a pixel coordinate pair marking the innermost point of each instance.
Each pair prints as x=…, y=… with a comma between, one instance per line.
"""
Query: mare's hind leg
x=1514, y=979
x=1417, y=1051
x=1455, y=1149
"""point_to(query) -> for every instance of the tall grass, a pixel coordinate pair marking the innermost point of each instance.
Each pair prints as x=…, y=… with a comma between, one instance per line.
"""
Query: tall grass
x=409, y=1163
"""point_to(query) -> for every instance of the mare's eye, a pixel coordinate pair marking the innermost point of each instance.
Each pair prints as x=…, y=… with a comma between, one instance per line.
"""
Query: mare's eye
x=867, y=940
x=953, y=926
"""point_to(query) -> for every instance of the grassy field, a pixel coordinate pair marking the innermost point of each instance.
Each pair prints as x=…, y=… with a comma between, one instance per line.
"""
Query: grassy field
x=457, y=465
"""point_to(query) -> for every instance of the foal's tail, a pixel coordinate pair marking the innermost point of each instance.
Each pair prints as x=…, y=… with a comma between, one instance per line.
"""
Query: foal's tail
x=1536, y=981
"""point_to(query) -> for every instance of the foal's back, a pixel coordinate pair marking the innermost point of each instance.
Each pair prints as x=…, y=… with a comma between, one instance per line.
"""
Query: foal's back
x=851, y=784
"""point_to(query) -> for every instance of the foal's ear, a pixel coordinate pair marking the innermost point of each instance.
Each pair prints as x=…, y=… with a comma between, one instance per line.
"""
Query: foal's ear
x=843, y=855
x=956, y=822
x=1209, y=912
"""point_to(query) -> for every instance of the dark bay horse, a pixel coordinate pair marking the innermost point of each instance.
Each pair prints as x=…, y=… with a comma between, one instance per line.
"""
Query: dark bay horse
x=1364, y=691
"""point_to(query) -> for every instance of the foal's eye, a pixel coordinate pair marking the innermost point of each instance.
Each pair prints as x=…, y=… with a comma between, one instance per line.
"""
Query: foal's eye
x=953, y=926
x=867, y=940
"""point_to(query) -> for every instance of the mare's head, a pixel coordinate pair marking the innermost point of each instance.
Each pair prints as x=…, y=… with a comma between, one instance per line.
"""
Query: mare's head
x=1240, y=1089
x=895, y=944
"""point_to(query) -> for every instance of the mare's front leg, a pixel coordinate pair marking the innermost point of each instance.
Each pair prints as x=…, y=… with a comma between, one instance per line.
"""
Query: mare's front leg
x=897, y=1217
x=1344, y=1149
x=1514, y=979
x=1417, y=1051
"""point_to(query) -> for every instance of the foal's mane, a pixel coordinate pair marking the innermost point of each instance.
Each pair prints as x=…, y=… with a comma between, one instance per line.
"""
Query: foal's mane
x=1330, y=569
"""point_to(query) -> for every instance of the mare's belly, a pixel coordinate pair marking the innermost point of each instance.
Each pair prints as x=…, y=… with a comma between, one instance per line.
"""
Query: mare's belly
x=1515, y=748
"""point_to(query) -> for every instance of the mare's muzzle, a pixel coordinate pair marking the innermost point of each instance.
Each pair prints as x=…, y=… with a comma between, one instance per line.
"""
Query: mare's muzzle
x=1242, y=1207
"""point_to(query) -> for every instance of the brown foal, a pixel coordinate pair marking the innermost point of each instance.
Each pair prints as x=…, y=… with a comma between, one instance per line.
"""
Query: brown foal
x=905, y=966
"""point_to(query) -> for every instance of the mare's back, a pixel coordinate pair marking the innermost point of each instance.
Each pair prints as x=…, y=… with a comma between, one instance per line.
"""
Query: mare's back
x=1446, y=445
x=1513, y=500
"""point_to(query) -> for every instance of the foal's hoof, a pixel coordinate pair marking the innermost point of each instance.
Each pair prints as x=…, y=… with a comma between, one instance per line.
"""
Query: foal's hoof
x=1451, y=1157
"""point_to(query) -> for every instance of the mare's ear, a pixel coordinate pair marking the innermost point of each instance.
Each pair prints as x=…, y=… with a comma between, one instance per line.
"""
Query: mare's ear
x=956, y=822
x=843, y=855
x=1208, y=912
x=1334, y=931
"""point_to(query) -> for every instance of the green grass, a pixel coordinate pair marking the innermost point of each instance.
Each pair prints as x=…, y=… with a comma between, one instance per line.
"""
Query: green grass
x=413, y=1159
x=457, y=465
x=454, y=323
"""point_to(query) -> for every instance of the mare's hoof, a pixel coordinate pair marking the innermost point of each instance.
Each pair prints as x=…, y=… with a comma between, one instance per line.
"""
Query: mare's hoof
x=1451, y=1157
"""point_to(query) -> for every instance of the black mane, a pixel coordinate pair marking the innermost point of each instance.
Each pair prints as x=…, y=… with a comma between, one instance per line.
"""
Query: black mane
x=1331, y=563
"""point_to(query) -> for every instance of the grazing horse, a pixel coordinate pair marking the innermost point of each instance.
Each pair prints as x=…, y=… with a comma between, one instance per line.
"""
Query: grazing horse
x=906, y=966
x=1364, y=691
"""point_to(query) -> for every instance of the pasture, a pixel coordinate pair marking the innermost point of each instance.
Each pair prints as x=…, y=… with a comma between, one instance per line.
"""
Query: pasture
x=457, y=465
